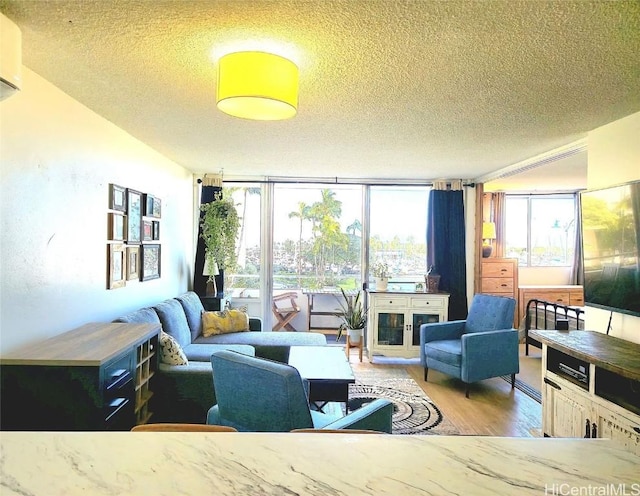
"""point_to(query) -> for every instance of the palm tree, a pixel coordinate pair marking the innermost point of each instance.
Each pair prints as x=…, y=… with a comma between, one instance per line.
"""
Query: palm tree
x=303, y=214
x=326, y=230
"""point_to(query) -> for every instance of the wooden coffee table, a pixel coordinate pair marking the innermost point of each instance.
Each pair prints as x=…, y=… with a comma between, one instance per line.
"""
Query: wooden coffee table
x=328, y=371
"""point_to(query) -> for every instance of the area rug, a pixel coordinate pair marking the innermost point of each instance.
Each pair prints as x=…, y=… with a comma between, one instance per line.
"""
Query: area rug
x=413, y=411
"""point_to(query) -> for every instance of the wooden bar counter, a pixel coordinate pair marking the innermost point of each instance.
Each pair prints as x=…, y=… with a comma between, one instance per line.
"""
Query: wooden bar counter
x=140, y=463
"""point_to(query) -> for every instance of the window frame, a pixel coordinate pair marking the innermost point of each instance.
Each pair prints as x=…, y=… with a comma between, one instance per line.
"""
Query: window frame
x=530, y=197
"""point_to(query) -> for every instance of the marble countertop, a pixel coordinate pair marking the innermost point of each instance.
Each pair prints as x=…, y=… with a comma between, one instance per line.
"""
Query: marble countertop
x=125, y=463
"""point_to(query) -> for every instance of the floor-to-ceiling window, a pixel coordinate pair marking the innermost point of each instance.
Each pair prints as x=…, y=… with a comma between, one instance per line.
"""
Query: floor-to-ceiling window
x=319, y=236
x=398, y=229
x=244, y=282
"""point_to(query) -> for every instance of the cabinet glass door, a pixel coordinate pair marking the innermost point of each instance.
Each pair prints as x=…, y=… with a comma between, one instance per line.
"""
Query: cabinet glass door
x=418, y=320
x=390, y=331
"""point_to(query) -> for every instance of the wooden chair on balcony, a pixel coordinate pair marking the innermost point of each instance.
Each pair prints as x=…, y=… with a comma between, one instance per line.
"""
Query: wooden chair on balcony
x=285, y=313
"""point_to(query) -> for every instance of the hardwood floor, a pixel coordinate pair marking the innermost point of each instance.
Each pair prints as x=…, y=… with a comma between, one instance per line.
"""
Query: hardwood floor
x=492, y=409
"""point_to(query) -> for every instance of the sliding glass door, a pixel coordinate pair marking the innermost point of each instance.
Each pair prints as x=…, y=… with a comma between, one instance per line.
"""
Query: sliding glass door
x=300, y=244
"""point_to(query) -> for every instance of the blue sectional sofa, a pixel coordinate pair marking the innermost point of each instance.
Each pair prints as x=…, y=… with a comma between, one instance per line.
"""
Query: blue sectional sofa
x=184, y=393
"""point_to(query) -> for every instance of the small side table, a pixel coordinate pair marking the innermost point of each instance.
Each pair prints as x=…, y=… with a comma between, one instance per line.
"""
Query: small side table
x=213, y=303
x=358, y=345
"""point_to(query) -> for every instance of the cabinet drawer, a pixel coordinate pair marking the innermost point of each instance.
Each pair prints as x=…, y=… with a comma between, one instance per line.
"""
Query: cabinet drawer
x=117, y=374
x=391, y=302
x=497, y=285
x=576, y=300
x=427, y=303
x=552, y=297
x=497, y=270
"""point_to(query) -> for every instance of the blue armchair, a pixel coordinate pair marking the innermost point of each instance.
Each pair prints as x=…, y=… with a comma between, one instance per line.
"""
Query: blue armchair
x=260, y=395
x=483, y=346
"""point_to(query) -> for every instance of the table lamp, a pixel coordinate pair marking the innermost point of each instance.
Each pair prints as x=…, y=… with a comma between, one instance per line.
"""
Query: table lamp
x=488, y=234
x=212, y=289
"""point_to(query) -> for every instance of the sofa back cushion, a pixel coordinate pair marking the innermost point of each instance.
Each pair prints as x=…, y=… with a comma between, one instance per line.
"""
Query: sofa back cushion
x=193, y=309
x=174, y=321
x=142, y=316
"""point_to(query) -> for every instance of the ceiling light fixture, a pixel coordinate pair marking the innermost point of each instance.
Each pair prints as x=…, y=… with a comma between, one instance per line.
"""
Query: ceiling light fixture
x=257, y=85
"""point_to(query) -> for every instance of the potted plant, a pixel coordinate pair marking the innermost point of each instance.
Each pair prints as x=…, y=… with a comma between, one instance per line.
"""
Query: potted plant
x=353, y=315
x=380, y=271
x=220, y=226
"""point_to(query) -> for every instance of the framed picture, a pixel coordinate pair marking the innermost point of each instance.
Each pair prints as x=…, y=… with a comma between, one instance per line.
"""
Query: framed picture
x=147, y=230
x=152, y=206
x=150, y=262
x=134, y=216
x=117, y=198
x=116, y=226
x=157, y=207
x=133, y=263
x=148, y=205
x=156, y=230
x=419, y=287
x=116, y=266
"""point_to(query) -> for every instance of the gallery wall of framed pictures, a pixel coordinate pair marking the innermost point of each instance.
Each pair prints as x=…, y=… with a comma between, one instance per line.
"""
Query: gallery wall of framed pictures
x=133, y=236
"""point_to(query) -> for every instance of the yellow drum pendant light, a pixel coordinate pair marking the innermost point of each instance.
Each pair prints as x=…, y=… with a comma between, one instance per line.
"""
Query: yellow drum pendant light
x=257, y=85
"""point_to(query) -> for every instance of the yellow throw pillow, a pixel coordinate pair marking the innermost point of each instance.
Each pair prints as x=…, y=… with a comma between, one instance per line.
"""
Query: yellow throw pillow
x=224, y=322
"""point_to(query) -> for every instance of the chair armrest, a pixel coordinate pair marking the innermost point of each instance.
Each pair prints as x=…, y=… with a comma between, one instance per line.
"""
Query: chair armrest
x=441, y=330
x=375, y=416
x=489, y=354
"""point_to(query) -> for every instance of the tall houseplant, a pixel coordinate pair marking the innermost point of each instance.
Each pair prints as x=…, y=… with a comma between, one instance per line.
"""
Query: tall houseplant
x=220, y=226
x=353, y=315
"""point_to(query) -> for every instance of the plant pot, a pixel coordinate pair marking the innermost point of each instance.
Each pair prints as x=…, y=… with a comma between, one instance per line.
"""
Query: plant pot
x=355, y=335
x=382, y=283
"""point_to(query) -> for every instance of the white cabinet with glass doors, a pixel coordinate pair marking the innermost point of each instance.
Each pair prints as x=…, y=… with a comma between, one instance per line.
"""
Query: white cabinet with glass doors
x=394, y=320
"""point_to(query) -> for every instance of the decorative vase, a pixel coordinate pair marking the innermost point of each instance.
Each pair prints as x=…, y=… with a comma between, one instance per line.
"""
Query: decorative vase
x=431, y=283
x=382, y=283
x=355, y=335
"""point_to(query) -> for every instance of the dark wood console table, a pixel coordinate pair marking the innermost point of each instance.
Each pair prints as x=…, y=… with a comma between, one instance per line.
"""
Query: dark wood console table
x=96, y=377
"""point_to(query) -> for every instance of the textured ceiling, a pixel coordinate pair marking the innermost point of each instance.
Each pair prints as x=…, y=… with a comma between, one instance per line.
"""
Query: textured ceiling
x=388, y=89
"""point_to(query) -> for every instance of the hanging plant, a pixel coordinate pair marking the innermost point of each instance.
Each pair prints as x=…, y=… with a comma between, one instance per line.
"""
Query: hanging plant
x=220, y=226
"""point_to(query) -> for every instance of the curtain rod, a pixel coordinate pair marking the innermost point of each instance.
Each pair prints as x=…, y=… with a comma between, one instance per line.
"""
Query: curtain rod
x=337, y=180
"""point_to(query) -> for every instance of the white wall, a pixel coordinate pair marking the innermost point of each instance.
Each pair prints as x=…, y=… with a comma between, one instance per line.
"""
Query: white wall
x=545, y=276
x=57, y=159
x=614, y=158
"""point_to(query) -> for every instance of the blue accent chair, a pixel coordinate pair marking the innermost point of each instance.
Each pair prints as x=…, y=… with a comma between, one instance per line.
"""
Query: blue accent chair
x=484, y=345
x=260, y=395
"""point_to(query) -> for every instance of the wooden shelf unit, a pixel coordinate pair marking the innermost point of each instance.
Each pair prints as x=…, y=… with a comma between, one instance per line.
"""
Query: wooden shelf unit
x=146, y=366
x=95, y=377
x=499, y=276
